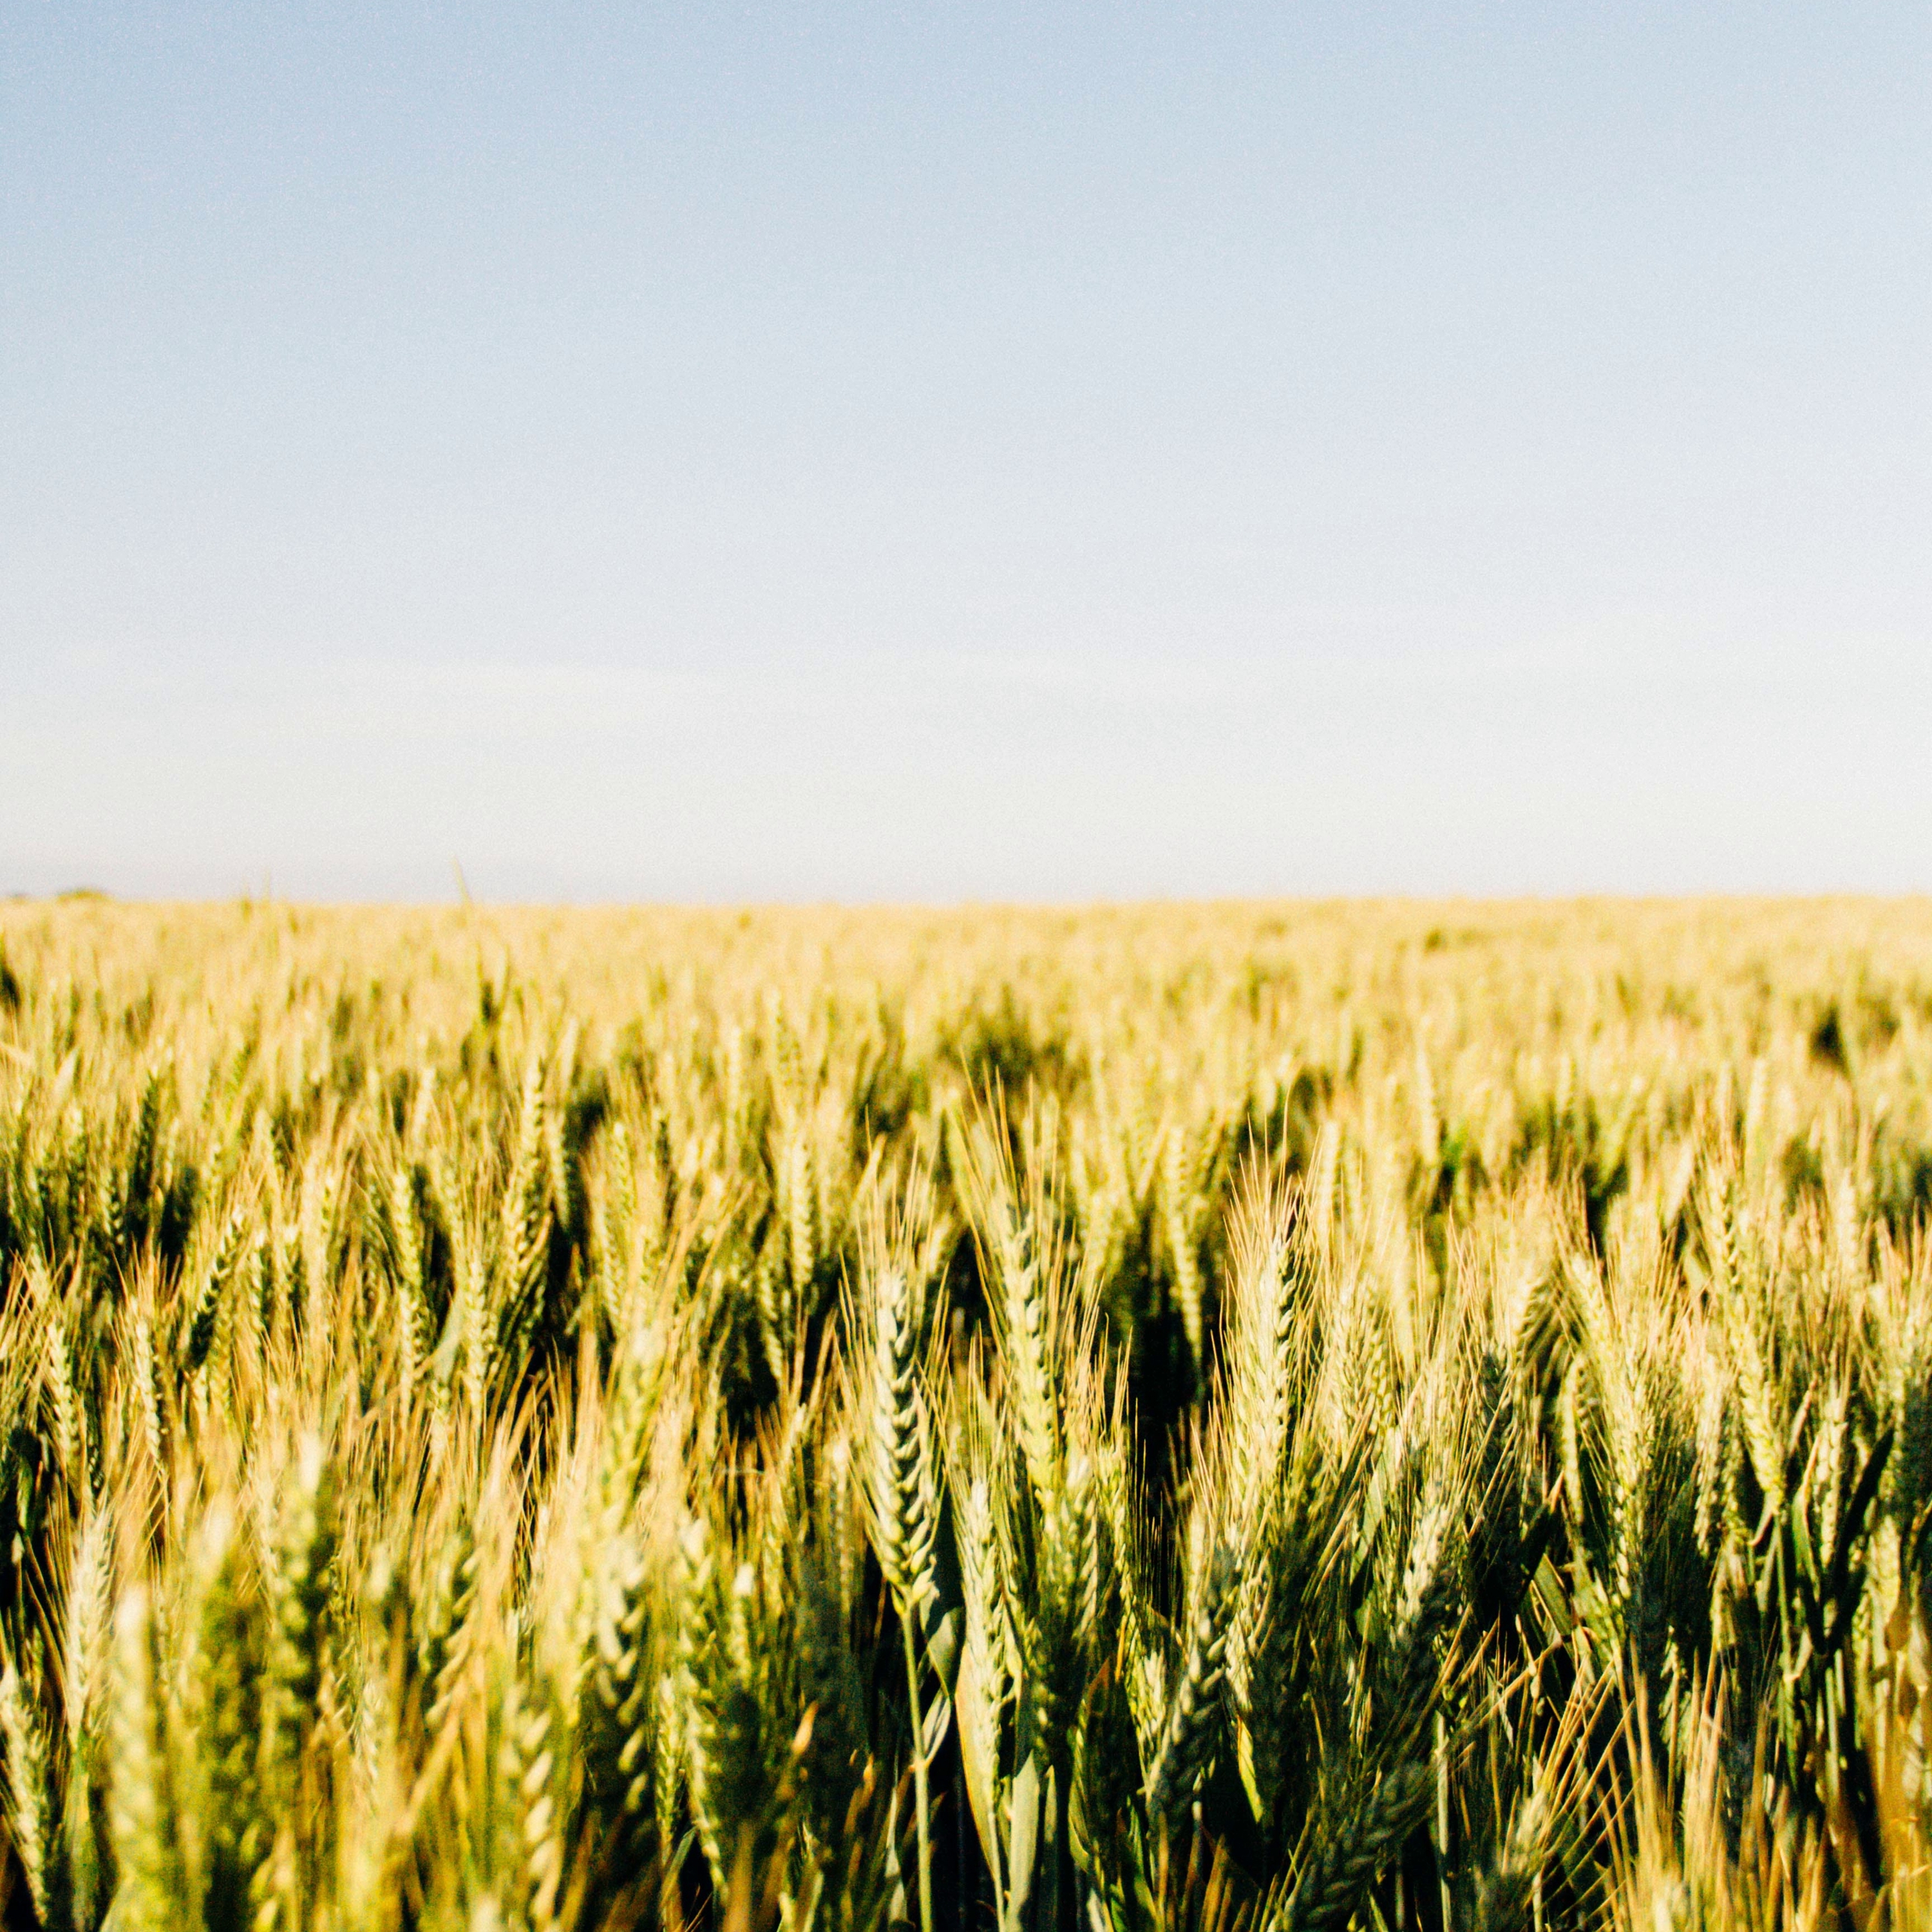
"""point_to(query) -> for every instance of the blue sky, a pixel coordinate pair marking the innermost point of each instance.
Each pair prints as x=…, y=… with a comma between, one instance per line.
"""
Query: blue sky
x=1044, y=451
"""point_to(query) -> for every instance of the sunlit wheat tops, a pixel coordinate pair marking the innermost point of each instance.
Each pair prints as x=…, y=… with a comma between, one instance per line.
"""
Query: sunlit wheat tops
x=1217, y=1419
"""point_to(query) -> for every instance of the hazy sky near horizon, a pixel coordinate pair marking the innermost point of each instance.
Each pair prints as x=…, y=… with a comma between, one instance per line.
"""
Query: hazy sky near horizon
x=1021, y=451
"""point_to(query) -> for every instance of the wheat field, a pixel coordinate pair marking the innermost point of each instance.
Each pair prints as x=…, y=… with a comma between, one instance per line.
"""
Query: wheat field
x=1191, y=1419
